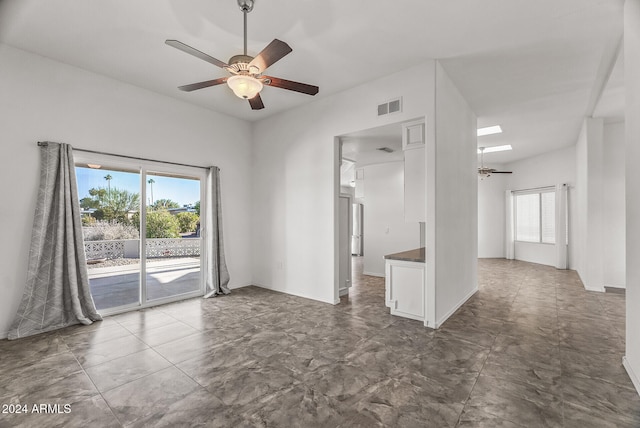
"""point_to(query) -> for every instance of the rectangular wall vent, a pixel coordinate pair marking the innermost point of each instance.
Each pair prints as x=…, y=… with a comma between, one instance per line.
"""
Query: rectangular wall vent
x=394, y=106
x=391, y=106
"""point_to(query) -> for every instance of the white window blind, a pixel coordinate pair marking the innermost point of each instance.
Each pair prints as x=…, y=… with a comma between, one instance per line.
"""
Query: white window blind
x=548, y=217
x=535, y=216
x=528, y=217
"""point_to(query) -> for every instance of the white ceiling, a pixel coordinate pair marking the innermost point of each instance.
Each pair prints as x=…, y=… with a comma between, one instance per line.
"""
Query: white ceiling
x=362, y=147
x=532, y=66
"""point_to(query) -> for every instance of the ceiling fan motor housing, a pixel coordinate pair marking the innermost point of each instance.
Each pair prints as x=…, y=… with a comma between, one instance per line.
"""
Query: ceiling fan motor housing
x=245, y=5
x=239, y=64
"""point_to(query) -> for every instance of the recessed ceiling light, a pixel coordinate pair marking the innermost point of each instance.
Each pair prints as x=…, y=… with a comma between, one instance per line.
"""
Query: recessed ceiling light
x=497, y=148
x=489, y=130
x=94, y=166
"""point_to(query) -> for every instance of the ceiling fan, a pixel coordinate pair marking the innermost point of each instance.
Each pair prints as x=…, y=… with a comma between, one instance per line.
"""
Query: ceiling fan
x=485, y=172
x=246, y=78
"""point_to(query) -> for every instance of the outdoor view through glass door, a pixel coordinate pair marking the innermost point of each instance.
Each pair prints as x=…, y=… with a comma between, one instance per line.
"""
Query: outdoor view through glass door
x=142, y=234
x=173, y=236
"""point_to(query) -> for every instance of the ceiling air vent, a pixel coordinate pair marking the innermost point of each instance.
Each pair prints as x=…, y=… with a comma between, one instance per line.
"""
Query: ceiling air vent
x=385, y=149
x=391, y=106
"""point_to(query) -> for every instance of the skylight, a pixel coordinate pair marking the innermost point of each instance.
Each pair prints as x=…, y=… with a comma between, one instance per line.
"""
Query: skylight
x=497, y=148
x=489, y=130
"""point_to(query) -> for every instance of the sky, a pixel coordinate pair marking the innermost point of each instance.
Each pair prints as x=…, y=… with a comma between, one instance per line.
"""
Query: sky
x=180, y=190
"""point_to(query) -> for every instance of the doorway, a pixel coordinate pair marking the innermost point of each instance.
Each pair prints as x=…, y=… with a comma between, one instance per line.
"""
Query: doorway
x=371, y=165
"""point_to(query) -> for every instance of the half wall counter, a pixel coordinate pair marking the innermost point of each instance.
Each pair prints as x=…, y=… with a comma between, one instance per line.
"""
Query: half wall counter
x=405, y=283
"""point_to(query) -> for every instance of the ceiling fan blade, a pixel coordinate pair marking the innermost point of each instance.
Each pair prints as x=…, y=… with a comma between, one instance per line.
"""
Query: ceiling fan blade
x=291, y=85
x=274, y=51
x=200, y=85
x=195, y=52
x=502, y=172
x=256, y=103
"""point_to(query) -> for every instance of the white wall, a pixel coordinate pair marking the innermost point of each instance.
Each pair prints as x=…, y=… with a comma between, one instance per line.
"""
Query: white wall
x=491, y=212
x=47, y=100
x=452, y=202
x=548, y=169
x=580, y=197
x=594, y=278
x=386, y=230
x=296, y=178
x=600, y=154
x=632, y=177
x=590, y=187
x=613, y=203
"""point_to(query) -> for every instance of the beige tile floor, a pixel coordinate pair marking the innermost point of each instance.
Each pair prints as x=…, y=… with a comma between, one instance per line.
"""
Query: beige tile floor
x=530, y=349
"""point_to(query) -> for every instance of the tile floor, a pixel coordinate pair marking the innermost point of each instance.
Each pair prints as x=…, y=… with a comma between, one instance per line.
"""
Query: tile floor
x=530, y=349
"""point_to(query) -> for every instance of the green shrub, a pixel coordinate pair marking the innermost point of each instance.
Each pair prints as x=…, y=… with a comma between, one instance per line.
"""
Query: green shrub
x=188, y=221
x=161, y=224
x=88, y=220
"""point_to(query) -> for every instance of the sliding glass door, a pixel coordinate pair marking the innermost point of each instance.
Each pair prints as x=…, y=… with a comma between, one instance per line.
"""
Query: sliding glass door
x=173, y=235
x=109, y=204
x=141, y=227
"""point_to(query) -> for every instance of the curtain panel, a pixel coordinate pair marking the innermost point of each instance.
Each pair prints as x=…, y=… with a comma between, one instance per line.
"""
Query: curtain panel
x=562, y=226
x=57, y=292
x=509, y=233
x=216, y=273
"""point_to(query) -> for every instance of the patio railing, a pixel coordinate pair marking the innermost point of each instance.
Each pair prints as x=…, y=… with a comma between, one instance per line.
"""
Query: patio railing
x=130, y=248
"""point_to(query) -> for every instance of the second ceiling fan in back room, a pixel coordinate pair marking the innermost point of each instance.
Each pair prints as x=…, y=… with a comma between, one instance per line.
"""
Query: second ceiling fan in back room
x=246, y=78
x=485, y=172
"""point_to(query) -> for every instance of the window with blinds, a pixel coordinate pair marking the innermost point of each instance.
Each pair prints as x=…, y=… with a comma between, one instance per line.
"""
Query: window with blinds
x=535, y=215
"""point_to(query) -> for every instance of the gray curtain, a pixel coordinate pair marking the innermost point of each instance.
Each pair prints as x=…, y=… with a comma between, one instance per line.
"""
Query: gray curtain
x=57, y=292
x=216, y=273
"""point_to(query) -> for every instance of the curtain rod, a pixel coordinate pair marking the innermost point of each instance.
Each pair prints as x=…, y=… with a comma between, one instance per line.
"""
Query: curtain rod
x=537, y=188
x=44, y=144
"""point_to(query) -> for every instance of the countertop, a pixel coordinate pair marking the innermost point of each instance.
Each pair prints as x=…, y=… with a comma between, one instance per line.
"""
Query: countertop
x=417, y=255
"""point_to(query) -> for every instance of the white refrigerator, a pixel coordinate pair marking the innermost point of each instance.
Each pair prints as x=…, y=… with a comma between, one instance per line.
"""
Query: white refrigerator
x=356, y=234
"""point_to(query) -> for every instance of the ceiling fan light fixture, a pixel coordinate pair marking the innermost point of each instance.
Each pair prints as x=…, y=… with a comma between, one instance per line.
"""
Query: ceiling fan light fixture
x=244, y=86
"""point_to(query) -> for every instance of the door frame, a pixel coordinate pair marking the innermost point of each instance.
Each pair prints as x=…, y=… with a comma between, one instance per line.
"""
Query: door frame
x=143, y=167
x=343, y=291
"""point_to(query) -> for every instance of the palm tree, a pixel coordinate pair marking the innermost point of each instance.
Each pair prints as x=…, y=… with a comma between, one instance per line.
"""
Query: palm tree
x=108, y=177
x=151, y=181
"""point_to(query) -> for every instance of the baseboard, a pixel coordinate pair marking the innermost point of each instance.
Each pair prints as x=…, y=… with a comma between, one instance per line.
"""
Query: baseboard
x=631, y=373
x=330, y=302
x=379, y=275
x=235, y=286
x=587, y=288
x=615, y=286
x=455, y=308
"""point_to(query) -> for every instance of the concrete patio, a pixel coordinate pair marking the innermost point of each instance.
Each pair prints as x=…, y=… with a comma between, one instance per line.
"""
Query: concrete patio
x=116, y=286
